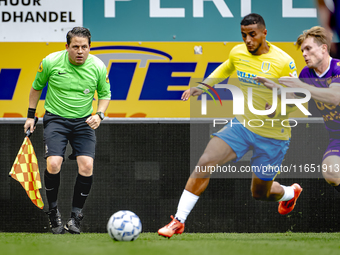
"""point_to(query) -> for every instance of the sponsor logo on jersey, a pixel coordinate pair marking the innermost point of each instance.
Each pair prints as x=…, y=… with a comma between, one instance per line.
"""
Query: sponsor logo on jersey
x=40, y=69
x=247, y=77
x=265, y=66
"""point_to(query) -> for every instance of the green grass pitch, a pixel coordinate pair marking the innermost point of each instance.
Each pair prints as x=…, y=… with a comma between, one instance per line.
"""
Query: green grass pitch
x=150, y=243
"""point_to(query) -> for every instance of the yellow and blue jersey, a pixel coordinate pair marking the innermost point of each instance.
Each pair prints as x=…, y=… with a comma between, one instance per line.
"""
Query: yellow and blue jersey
x=273, y=65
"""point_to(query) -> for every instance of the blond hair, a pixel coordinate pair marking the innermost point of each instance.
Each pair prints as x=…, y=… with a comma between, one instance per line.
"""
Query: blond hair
x=320, y=35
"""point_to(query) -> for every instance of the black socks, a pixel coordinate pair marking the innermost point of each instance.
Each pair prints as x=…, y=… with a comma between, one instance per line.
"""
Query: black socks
x=81, y=191
x=52, y=182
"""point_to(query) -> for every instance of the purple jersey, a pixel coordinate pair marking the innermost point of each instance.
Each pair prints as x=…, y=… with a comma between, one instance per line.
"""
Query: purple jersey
x=330, y=113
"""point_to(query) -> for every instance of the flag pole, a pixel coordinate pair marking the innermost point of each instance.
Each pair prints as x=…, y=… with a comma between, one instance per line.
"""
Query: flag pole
x=26, y=171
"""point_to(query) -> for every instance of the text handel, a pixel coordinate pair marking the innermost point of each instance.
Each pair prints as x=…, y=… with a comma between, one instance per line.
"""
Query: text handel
x=33, y=17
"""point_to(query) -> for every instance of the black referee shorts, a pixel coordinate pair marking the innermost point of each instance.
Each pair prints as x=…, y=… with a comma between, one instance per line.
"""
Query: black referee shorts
x=58, y=131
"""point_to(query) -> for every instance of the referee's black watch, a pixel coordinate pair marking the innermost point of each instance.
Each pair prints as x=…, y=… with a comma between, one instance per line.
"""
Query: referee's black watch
x=101, y=115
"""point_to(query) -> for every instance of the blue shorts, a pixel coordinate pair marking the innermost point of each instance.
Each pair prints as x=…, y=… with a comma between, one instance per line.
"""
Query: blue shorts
x=268, y=153
x=333, y=148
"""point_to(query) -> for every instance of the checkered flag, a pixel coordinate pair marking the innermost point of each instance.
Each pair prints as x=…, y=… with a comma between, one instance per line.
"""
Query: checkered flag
x=26, y=171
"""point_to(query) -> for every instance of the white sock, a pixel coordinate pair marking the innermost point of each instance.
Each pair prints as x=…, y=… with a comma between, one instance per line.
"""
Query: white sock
x=288, y=195
x=185, y=205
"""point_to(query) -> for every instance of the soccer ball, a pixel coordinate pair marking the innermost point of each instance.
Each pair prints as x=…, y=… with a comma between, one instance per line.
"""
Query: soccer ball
x=124, y=226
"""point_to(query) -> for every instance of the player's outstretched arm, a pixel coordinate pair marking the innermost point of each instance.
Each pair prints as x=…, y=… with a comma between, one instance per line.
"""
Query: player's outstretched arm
x=330, y=95
x=292, y=82
x=268, y=83
x=271, y=84
x=191, y=92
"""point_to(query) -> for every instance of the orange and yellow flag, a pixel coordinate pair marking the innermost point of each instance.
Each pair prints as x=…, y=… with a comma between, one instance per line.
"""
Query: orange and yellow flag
x=26, y=171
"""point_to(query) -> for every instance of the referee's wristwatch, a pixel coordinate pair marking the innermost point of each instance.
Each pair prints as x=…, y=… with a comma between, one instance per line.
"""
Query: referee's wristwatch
x=101, y=115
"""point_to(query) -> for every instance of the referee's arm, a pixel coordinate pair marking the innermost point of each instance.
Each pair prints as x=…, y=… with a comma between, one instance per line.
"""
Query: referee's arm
x=94, y=120
x=32, y=105
x=103, y=104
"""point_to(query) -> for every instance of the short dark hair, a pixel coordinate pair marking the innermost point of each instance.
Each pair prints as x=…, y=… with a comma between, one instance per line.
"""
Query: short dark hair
x=80, y=32
x=253, y=18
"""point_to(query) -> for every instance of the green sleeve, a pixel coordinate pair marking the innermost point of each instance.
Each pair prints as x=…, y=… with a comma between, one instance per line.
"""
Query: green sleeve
x=42, y=76
x=103, y=88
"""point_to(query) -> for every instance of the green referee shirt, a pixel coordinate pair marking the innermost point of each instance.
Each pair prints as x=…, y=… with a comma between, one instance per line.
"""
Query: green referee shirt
x=71, y=88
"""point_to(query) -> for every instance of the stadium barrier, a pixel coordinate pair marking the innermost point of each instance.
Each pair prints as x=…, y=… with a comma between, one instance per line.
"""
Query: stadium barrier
x=142, y=165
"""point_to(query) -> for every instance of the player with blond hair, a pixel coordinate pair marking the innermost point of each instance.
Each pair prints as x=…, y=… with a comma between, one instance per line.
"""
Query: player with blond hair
x=321, y=76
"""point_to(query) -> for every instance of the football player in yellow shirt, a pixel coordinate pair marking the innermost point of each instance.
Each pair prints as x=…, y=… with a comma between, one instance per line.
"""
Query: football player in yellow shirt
x=256, y=57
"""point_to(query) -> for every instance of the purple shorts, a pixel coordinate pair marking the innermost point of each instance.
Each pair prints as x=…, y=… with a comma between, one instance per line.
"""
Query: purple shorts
x=333, y=148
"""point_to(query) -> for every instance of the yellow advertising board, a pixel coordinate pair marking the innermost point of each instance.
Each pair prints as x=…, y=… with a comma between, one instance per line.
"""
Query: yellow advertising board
x=147, y=78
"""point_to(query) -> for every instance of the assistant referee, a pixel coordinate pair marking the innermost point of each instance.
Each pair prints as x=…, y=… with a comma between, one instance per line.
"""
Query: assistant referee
x=73, y=76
